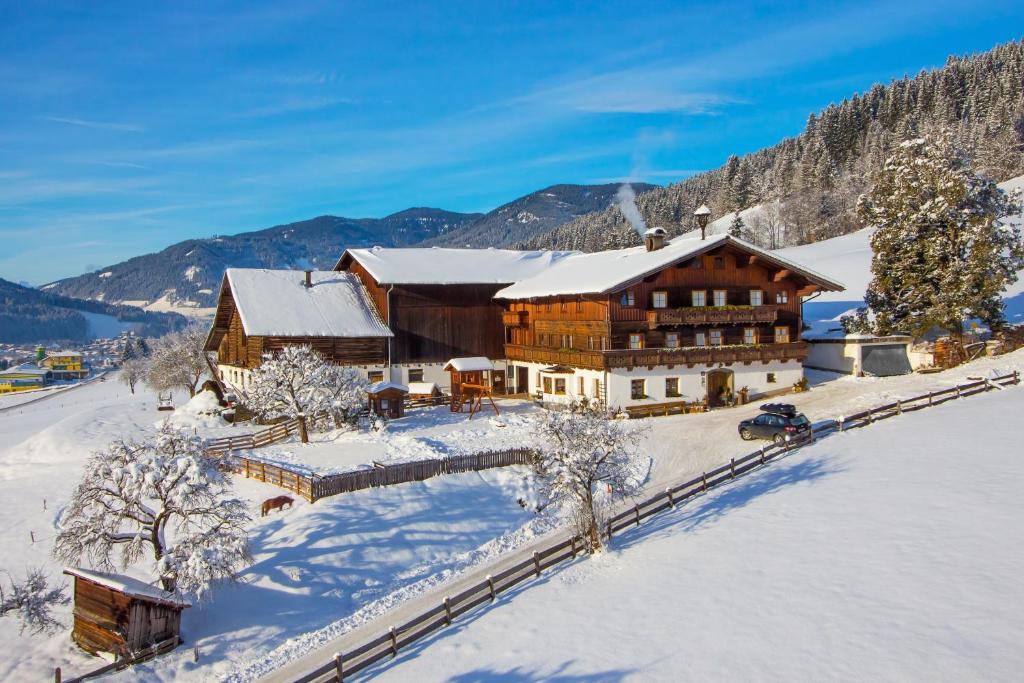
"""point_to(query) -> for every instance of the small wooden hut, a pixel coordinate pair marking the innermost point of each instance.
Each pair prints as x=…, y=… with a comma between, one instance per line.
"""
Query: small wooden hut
x=473, y=380
x=119, y=614
x=387, y=399
x=424, y=390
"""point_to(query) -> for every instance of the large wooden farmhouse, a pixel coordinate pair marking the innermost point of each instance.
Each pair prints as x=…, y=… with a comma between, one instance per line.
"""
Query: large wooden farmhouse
x=261, y=311
x=439, y=303
x=691, y=319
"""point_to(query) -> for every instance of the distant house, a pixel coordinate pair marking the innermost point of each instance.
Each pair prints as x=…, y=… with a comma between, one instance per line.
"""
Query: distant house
x=64, y=365
x=261, y=311
x=22, y=378
x=122, y=615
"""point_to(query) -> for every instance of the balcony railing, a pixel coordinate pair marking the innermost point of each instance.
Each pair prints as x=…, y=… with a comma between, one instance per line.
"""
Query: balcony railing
x=514, y=318
x=628, y=358
x=706, y=315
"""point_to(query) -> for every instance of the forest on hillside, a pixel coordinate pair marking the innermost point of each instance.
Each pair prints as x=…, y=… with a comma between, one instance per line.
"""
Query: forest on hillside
x=810, y=183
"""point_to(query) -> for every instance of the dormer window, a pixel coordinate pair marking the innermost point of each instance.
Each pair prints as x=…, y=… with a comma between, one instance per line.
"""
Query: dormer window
x=628, y=298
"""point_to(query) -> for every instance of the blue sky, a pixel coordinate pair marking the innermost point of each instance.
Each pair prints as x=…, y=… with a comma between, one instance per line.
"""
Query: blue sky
x=127, y=127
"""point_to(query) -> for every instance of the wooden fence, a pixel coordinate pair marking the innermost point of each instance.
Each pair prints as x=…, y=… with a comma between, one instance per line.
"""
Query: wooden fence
x=264, y=437
x=313, y=487
x=148, y=653
x=397, y=637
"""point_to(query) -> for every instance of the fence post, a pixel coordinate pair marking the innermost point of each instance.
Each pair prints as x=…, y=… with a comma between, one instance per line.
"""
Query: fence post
x=609, y=529
x=958, y=391
x=394, y=642
x=636, y=509
x=490, y=582
x=929, y=398
x=899, y=407
x=732, y=468
x=536, y=562
x=572, y=544
x=839, y=423
x=1016, y=377
x=671, y=503
x=447, y=611
x=762, y=455
x=704, y=481
x=339, y=670
x=56, y=675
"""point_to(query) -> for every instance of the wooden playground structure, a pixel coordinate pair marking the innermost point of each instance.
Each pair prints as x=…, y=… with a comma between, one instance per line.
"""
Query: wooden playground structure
x=472, y=381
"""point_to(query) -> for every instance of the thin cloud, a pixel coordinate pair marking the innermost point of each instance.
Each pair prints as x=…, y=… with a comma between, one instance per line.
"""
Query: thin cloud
x=292, y=105
x=99, y=125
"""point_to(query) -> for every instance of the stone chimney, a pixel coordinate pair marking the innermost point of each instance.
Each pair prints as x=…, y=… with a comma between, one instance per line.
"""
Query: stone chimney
x=309, y=279
x=654, y=239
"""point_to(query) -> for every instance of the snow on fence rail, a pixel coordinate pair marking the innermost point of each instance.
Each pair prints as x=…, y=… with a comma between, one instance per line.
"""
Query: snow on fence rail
x=397, y=637
x=264, y=437
x=153, y=650
x=313, y=487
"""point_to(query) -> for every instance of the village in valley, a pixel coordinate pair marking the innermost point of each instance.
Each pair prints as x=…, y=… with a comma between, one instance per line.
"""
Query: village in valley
x=754, y=424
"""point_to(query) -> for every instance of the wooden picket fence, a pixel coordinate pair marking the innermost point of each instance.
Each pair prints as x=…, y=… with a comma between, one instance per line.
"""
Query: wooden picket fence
x=389, y=643
x=264, y=437
x=313, y=487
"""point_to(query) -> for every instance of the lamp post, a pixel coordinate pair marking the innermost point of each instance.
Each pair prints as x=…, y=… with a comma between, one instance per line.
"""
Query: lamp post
x=702, y=215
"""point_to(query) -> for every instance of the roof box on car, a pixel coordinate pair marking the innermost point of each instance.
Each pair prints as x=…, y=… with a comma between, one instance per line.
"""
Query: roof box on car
x=786, y=409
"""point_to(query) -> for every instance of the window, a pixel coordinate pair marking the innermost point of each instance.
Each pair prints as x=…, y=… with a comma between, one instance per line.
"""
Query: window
x=672, y=387
x=579, y=305
x=563, y=306
x=782, y=297
x=749, y=335
x=604, y=344
x=560, y=386
x=699, y=297
x=375, y=376
x=771, y=378
x=628, y=298
x=699, y=339
x=697, y=263
x=756, y=297
x=716, y=337
x=781, y=335
x=580, y=386
x=384, y=404
x=590, y=343
x=543, y=339
x=538, y=380
x=547, y=385
x=637, y=389
x=721, y=297
x=671, y=340
x=597, y=387
x=415, y=374
x=636, y=341
x=566, y=341
x=659, y=299
x=719, y=263
x=547, y=306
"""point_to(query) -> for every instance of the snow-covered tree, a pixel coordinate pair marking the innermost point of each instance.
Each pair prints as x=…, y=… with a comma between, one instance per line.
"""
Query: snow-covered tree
x=178, y=360
x=586, y=458
x=163, y=498
x=133, y=371
x=297, y=382
x=737, y=228
x=941, y=253
x=31, y=601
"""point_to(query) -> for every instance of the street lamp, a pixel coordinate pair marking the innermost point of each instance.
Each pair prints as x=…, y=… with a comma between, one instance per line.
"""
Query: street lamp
x=702, y=215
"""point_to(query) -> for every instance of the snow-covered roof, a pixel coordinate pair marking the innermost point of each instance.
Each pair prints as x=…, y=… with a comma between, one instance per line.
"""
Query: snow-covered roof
x=607, y=271
x=377, y=387
x=25, y=369
x=471, y=364
x=277, y=303
x=128, y=586
x=52, y=354
x=441, y=266
x=422, y=387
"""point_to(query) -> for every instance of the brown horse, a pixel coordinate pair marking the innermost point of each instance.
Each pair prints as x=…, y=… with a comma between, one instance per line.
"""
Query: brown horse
x=276, y=504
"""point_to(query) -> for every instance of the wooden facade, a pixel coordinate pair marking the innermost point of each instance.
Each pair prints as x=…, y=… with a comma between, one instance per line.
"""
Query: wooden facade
x=433, y=323
x=747, y=309
x=111, y=617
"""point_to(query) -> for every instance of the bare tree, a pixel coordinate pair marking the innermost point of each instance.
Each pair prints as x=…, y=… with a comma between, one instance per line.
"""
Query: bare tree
x=586, y=456
x=31, y=601
x=163, y=497
x=178, y=360
x=133, y=371
x=298, y=383
x=766, y=226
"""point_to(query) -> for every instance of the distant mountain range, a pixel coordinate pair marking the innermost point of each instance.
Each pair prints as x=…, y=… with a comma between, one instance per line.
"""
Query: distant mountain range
x=29, y=316
x=186, y=276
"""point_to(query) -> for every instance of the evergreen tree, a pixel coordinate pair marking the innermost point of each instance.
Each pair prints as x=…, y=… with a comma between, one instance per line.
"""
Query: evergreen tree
x=737, y=227
x=941, y=253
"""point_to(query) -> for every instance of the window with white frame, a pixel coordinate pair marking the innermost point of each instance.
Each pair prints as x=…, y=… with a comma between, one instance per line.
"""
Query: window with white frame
x=636, y=341
x=672, y=387
x=716, y=337
x=756, y=297
x=750, y=335
x=375, y=376
x=699, y=297
x=659, y=299
x=720, y=297
x=597, y=387
x=781, y=335
x=560, y=386
x=638, y=389
x=700, y=339
x=671, y=340
x=628, y=298
x=782, y=297
x=580, y=385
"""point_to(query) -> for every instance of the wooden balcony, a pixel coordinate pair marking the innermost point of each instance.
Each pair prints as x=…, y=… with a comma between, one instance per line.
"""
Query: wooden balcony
x=709, y=315
x=607, y=360
x=514, y=318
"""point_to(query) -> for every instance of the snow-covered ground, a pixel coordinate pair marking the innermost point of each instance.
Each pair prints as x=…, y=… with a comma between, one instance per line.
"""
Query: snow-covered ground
x=890, y=553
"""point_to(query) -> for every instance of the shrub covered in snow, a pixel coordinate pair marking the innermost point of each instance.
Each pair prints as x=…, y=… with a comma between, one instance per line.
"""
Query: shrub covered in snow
x=162, y=497
x=31, y=600
x=587, y=460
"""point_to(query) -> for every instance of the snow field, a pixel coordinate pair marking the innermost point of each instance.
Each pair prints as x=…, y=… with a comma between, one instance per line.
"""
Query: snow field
x=889, y=553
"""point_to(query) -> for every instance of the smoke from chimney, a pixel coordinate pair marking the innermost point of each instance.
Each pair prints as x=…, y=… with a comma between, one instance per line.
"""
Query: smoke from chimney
x=627, y=206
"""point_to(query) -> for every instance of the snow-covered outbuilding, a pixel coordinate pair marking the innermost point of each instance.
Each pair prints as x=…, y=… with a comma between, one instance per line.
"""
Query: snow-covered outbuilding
x=122, y=615
x=387, y=399
x=860, y=354
x=261, y=311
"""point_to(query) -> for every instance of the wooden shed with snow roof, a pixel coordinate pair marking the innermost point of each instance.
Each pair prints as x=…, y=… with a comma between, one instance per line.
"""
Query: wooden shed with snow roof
x=387, y=399
x=122, y=615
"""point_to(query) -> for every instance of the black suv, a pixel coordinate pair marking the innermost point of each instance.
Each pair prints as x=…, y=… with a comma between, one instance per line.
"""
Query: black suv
x=778, y=421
